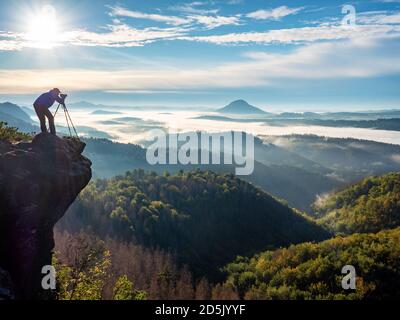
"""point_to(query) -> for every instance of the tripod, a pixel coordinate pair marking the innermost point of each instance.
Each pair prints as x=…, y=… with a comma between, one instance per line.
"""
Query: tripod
x=68, y=119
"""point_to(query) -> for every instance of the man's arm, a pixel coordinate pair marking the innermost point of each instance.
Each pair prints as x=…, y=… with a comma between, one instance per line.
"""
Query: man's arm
x=60, y=100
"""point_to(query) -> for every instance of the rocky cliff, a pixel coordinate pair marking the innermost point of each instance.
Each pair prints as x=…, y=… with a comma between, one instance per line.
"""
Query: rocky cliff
x=38, y=182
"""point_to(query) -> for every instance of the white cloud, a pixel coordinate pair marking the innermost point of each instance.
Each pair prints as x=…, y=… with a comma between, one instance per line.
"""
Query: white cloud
x=380, y=18
x=194, y=8
x=212, y=22
x=117, y=35
x=172, y=20
x=120, y=35
x=273, y=14
x=208, y=18
x=31, y=81
x=10, y=41
x=10, y=45
x=355, y=58
x=298, y=35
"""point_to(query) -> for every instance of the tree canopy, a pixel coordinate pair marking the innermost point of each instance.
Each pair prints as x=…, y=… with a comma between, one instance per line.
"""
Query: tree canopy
x=369, y=206
x=206, y=218
x=313, y=271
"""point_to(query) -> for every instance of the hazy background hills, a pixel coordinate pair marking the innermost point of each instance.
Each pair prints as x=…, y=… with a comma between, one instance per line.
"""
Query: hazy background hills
x=199, y=231
x=283, y=164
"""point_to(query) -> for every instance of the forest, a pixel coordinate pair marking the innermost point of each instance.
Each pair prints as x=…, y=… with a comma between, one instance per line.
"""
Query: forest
x=313, y=270
x=203, y=221
x=206, y=218
x=207, y=235
x=368, y=206
x=365, y=219
x=206, y=232
x=90, y=268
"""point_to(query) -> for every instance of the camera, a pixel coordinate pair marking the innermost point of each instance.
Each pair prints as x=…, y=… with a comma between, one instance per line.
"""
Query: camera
x=63, y=96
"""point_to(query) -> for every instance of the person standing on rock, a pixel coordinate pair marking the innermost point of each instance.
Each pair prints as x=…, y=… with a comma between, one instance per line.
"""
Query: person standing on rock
x=42, y=106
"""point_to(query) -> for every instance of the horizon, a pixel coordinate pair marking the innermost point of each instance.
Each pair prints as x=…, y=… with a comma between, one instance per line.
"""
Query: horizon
x=206, y=108
x=277, y=56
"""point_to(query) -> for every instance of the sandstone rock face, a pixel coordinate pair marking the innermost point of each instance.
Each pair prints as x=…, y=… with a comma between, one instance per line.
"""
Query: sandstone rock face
x=38, y=182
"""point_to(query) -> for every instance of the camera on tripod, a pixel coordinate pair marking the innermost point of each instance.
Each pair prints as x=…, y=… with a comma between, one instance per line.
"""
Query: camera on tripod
x=68, y=118
x=63, y=97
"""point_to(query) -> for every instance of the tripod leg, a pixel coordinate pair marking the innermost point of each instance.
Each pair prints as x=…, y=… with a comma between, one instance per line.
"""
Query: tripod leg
x=66, y=118
x=72, y=124
x=57, y=110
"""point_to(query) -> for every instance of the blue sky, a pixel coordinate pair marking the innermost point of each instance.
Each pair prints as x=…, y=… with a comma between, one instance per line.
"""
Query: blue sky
x=283, y=55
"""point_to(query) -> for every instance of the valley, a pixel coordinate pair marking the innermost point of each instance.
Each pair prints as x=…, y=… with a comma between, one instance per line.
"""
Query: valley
x=208, y=231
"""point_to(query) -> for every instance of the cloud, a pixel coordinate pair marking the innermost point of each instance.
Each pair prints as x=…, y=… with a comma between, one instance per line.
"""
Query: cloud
x=196, y=16
x=10, y=41
x=31, y=81
x=172, y=20
x=273, y=14
x=116, y=35
x=212, y=22
x=355, y=58
x=298, y=35
x=120, y=35
x=10, y=45
x=194, y=8
x=380, y=18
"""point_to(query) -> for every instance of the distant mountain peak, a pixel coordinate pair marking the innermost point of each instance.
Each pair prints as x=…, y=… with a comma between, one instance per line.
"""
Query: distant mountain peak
x=240, y=101
x=105, y=112
x=8, y=109
x=241, y=107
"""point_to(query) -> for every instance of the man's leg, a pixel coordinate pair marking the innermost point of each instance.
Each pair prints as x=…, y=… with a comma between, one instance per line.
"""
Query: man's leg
x=42, y=118
x=50, y=117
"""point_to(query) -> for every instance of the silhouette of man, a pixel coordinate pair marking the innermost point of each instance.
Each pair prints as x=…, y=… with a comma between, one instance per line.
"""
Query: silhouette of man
x=42, y=105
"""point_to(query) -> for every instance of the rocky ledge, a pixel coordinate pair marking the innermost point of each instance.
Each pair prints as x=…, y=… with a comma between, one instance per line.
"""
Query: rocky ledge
x=39, y=180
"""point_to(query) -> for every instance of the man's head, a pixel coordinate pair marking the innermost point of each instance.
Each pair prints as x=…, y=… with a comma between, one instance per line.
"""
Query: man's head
x=55, y=91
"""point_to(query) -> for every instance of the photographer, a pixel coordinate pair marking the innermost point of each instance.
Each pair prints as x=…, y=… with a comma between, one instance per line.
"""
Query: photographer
x=42, y=105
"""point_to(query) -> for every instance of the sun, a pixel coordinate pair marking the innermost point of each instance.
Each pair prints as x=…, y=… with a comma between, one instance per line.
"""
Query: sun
x=43, y=28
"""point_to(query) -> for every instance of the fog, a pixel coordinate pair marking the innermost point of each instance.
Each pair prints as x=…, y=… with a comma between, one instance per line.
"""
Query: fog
x=134, y=126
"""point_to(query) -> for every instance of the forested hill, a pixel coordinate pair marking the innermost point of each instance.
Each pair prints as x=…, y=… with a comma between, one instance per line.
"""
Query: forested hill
x=278, y=172
x=369, y=212
x=207, y=219
x=369, y=206
x=313, y=271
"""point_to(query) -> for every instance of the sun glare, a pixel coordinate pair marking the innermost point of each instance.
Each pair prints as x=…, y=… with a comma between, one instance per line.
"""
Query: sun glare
x=43, y=28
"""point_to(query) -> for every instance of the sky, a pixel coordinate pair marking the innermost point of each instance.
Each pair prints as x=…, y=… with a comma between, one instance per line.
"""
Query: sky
x=279, y=55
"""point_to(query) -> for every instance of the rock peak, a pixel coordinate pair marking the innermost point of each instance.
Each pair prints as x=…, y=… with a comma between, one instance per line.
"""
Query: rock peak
x=39, y=180
x=241, y=107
